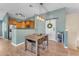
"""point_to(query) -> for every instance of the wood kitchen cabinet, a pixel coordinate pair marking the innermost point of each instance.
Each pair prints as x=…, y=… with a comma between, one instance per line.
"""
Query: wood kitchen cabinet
x=12, y=21
x=29, y=24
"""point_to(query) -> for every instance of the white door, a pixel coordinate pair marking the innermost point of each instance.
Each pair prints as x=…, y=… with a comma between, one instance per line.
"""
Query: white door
x=51, y=29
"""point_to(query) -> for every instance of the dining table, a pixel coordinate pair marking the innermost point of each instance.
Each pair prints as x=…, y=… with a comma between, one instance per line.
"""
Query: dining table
x=37, y=39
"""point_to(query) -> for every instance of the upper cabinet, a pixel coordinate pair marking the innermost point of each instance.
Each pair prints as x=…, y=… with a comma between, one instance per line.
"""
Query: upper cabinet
x=12, y=21
x=28, y=24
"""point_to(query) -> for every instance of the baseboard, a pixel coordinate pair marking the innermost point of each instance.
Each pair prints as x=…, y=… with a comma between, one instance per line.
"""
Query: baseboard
x=17, y=44
x=53, y=40
x=1, y=37
x=65, y=47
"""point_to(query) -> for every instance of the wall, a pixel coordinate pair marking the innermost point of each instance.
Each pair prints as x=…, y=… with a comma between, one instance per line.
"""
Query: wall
x=60, y=14
x=5, y=26
x=18, y=35
x=72, y=25
x=0, y=28
x=61, y=17
x=2, y=16
x=40, y=26
x=14, y=36
x=61, y=23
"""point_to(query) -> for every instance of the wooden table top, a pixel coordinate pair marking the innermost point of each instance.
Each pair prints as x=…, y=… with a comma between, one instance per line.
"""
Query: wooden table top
x=35, y=37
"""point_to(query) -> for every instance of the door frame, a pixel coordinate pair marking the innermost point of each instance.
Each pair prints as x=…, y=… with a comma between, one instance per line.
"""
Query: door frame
x=55, y=28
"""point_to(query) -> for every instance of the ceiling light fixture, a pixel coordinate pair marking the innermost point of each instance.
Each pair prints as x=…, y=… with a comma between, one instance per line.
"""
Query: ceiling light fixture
x=39, y=17
x=42, y=18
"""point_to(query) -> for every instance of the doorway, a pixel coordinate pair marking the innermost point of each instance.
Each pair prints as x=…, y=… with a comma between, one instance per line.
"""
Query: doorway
x=51, y=29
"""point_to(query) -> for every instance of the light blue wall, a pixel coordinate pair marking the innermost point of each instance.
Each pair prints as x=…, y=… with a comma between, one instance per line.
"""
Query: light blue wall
x=14, y=38
x=60, y=22
x=40, y=26
x=0, y=28
x=61, y=17
x=65, y=39
x=5, y=26
x=18, y=35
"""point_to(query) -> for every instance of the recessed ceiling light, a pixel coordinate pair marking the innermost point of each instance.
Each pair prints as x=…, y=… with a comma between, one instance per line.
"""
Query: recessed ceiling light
x=30, y=6
x=41, y=3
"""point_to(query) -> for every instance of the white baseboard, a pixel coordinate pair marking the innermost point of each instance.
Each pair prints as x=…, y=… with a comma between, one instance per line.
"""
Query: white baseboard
x=65, y=47
x=17, y=44
x=2, y=37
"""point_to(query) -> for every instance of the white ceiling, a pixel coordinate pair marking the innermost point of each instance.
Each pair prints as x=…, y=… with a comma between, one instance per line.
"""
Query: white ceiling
x=36, y=9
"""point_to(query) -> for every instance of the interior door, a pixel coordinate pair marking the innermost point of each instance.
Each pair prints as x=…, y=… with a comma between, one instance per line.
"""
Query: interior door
x=51, y=29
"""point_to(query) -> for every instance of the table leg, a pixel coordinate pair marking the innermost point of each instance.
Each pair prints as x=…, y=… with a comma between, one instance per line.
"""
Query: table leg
x=47, y=43
x=25, y=44
x=32, y=46
x=44, y=44
x=37, y=49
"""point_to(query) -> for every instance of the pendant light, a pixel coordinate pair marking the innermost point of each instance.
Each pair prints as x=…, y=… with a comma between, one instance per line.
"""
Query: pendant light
x=41, y=18
x=38, y=16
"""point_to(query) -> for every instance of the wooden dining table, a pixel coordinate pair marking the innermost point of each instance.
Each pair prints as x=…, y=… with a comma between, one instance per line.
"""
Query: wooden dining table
x=38, y=39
